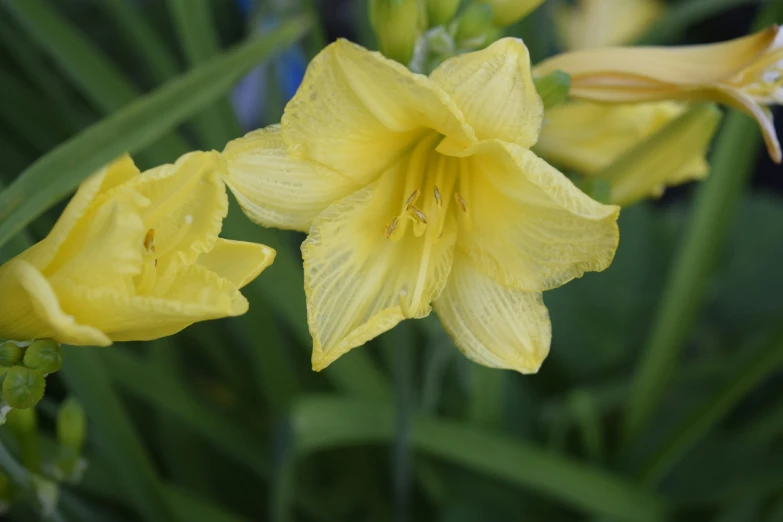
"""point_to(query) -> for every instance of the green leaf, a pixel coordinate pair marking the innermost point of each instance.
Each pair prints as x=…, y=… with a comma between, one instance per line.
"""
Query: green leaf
x=216, y=125
x=706, y=415
x=114, y=432
x=321, y=423
x=131, y=129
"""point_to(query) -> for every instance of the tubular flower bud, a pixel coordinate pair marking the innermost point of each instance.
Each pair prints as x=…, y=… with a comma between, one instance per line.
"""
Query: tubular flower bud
x=508, y=12
x=746, y=73
x=603, y=23
x=398, y=25
x=440, y=12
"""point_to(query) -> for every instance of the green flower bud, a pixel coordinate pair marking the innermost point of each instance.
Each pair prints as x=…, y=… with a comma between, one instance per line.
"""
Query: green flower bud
x=23, y=387
x=43, y=356
x=10, y=353
x=507, y=12
x=553, y=88
x=475, y=23
x=22, y=422
x=398, y=25
x=441, y=11
x=71, y=425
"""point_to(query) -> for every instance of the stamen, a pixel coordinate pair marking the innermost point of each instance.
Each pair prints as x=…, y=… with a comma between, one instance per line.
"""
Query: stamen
x=412, y=199
x=461, y=202
x=390, y=228
x=418, y=214
x=437, y=197
x=149, y=239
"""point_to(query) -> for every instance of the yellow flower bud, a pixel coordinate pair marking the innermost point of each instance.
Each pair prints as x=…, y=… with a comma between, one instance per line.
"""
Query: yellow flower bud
x=508, y=12
x=23, y=387
x=398, y=25
x=43, y=356
x=10, y=354
x=440, y=12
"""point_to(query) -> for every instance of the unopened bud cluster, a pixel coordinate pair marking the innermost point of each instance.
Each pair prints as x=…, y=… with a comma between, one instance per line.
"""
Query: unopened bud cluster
x=23, y=371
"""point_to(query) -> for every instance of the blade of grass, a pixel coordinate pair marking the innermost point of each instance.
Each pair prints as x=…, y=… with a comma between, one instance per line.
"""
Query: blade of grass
x=102, y=83
x=322, y=423
x=130, y=129
x=143, y=39
x=27, y=114
x=706, y=415
x=716, y=203
x=114, y=432
x=216, y=125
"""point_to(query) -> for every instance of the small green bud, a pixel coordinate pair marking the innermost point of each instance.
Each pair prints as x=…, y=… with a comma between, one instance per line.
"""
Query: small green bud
x=10, y=353
x=439, y=12
x=475, y=22
x=43, y=356
x=22, y=422
x=71, y=425
x=553, y=88
x=23, y=387
x=507, y=12
x=398, y=25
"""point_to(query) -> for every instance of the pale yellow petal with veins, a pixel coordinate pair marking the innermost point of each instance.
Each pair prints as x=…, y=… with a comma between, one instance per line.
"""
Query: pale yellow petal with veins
x=492, y=324
x=495, y=91
x=275, y=189
x=239, y=262
x=356, y=112
x=363, y=272
x=526, y=224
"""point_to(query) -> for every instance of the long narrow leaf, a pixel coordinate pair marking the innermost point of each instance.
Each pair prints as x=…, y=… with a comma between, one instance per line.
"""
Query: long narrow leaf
x=56, y=174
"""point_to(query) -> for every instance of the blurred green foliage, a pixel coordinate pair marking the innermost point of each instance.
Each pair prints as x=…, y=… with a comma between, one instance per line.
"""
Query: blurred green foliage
x=660, y=400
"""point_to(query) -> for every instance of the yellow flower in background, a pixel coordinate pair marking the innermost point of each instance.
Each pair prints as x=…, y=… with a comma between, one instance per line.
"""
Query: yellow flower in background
x=508, y=12
x=132, y=257
x=422, y=191
x=746, y=73
x=603, y=23
x=590, y=138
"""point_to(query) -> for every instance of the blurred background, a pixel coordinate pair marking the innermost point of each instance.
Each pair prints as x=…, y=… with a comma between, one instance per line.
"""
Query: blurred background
x=226, y=421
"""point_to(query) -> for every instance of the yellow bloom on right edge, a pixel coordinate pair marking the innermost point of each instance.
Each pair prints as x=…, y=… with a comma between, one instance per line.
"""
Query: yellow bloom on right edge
x=421, y=192
x=746, y=73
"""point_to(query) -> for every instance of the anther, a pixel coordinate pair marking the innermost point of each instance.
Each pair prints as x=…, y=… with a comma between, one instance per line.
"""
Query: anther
x=461, y=202
x=390, y=228
x=149, y=239
x=437, y=197
x=412, y=199
x=418, y=214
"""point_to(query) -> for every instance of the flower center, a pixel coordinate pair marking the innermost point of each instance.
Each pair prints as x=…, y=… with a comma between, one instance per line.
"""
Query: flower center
x=431, y=182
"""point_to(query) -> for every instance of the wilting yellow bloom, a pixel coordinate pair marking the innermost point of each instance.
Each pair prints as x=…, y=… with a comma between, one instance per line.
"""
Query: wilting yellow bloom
x=590, y=138
x=746, y=73
x=508, y=12
x=602, y=23
x=132, y=257
x=420, y=191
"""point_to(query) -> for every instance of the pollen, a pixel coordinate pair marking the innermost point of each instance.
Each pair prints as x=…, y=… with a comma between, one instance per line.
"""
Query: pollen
x=462, y=203
x=390, y=229
x=412, y=199
x=418, y=214
x=149, y=240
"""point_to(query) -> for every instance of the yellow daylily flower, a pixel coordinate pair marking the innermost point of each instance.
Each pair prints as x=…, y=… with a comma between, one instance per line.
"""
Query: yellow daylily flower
x=421, y=192
x=133, y=257
x=508, y=12
x=603, y=23
x=590, y=138
x=746, y=73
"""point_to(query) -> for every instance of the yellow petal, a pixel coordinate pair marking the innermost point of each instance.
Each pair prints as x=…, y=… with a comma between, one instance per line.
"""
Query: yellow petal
x=492, y=324
x=688, y=65
x=188, y=202
x=528, y=226
x=359, y=282
x=495, y=90
x=275, y=189
x=196, y=294
x=238, y=262
x=120, y=170
x=604, y=23
x=30, y=309
x=357, y=112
